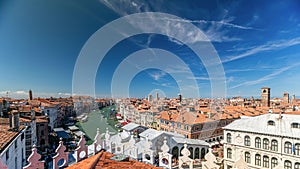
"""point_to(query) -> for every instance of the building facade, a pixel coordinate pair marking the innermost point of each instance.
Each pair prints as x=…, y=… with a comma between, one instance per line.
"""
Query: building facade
x=264, y=141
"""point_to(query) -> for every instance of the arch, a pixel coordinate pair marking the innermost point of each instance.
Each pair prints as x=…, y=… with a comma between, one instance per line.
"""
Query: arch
x=287, y=164
x=197, y=153
x=191, y=149
x=247, y=141
x=202, y=153
x=288, y=147
x=175, y=152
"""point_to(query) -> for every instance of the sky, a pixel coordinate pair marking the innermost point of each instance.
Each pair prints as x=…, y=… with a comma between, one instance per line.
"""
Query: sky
x=257, y=44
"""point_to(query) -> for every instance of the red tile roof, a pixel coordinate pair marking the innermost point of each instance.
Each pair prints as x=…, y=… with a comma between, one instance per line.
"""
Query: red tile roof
x=102, y=160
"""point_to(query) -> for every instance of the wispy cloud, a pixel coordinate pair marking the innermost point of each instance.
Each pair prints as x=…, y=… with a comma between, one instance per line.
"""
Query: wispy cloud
x=269, y=46
x=169, y=85
x=157, y=75
x=270, y=76
x=212, y=29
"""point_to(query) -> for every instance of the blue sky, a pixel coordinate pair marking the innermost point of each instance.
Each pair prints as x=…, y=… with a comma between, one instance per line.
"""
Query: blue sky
x=258, y=43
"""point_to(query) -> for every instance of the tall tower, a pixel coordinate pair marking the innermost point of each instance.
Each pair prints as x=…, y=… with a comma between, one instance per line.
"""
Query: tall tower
x=30, y=94
x=265, y=96
x=149, y=98
x=286, y=98
x=157, y=96
x=180, y=97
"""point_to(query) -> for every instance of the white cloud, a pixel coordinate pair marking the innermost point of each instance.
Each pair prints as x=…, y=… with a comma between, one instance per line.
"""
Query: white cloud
x=212, y=29
x=269, y=46
x=270, y=76
x=20, y=92
x=157, y=75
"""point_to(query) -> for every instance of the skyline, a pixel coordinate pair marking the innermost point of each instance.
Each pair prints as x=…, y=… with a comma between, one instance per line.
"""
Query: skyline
x=40, y=44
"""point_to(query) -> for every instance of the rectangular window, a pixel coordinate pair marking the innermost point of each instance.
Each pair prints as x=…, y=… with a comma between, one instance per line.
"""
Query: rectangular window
x=7, y=155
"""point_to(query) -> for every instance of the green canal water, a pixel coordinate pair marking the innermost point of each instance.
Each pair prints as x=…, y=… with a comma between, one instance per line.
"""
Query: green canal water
x=96, y=119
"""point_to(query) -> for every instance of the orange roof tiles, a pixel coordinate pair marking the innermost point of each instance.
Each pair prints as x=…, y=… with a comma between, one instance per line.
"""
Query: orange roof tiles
x=103, y=160
x=6, y=134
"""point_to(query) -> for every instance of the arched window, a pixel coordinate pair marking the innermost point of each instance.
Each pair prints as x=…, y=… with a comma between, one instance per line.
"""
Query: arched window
x=266, y=144
x=257, y=160
x=295, y=125
x=266, y=161
x=257, y=142
x=228, y=136
x=247, y=157
x=288, y=147
x=247, y=141
x=274, y=145
x=274, y=162
x=297, y=149
x=229, y=153
x=271, y=123
x=287, y=164
x=297, y=165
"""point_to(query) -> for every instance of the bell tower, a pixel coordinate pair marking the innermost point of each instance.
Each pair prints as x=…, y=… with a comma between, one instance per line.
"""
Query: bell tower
x=265, y=96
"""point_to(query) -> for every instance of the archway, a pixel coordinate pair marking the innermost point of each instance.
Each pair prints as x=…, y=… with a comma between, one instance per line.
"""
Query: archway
x=175, y=152
x=202, y=153
x=197, y=153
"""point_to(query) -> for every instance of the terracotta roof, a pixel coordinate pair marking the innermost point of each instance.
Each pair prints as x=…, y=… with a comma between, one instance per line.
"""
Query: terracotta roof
x=102, y=160
x=7, y=135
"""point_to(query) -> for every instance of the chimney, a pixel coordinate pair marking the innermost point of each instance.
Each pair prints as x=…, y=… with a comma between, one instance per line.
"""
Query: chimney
x=14, y=120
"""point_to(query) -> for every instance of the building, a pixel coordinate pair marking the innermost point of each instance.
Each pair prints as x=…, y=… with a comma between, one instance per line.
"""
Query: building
x=12, y=143
x=264, y=141
x=30, y=133
x=42, y=132
x=265, y=96
x=286, y=98
x=106, y=160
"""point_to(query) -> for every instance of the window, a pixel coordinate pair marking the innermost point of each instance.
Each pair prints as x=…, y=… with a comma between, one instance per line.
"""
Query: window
x=266, y=161
x=297, y=165
x=297, y=149
x=229, y=153
x=7, y=155
x=247, y=157
x=266, y=144
x=16, y=144
x=257, y=142
x=295, y=125
x=228, y=138
x=257, y=160
x=274, y=162
x=271, y=123
x=42, y=133
x=287, y=164
x=274, y=145
x=288, y=147
x=247, y=141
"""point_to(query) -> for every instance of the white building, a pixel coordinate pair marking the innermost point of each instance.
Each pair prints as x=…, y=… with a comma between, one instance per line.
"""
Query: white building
x=12, y=146
x=52, y=113
x=264, y=141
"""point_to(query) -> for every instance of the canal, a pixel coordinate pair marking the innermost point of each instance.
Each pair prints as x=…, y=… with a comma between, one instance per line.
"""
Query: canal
x=97, y=119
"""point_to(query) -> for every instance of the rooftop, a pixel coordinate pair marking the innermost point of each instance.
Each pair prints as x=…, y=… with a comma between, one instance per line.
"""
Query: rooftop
x=103, y=160
x=261, y=124
x=7, y=135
